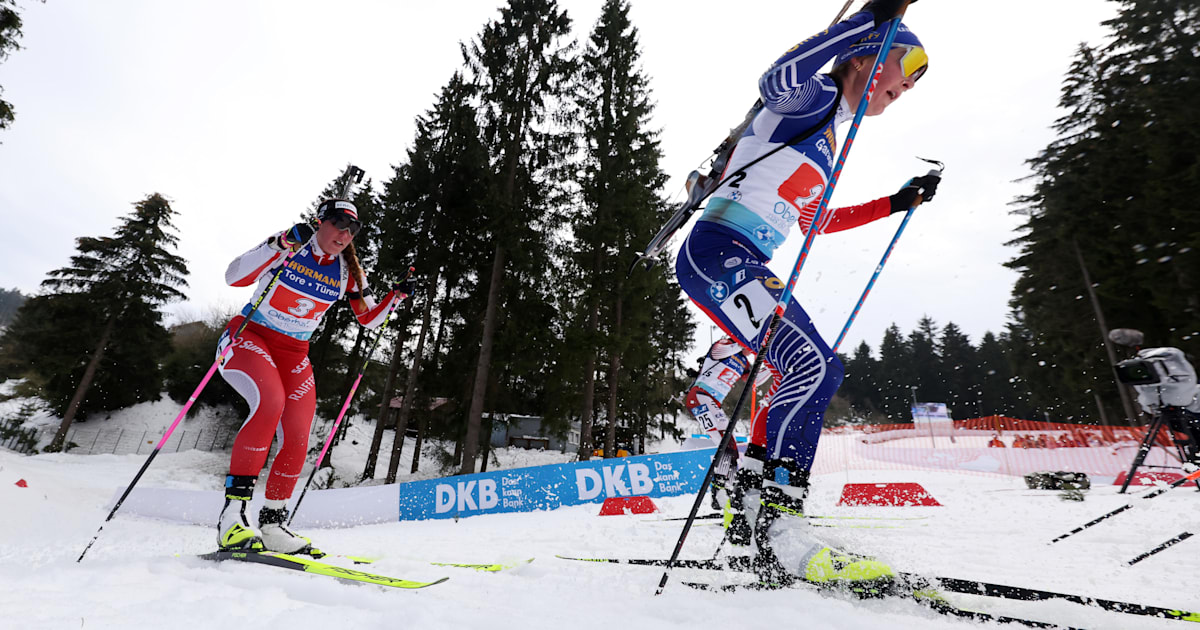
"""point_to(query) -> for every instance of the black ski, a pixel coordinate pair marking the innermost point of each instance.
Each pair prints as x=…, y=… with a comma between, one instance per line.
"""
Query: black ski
x=1163, y=547
x=712, y=565
x=916, y=582
x=923, y=597
x=974, y=587
x=1193, y=476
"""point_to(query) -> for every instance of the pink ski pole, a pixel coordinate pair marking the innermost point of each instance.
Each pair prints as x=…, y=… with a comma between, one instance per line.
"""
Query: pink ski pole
x=188, y=405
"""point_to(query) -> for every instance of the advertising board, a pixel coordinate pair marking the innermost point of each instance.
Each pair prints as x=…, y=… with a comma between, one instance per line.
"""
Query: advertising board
x=554, y=486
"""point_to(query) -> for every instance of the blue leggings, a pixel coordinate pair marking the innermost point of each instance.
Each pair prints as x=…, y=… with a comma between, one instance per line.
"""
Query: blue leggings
x=730, y=282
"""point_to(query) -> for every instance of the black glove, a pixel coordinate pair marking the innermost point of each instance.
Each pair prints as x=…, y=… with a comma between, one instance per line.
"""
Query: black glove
x=406, y=287
x=884, y=10
x=296, y=236
x=925, y=186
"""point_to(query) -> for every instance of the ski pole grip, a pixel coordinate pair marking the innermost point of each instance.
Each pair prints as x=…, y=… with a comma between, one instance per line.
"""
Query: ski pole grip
x=937, y=172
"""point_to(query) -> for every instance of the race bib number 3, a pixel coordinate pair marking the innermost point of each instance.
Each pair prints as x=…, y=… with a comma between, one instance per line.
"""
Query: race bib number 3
x=749, y=308
x=295, y=304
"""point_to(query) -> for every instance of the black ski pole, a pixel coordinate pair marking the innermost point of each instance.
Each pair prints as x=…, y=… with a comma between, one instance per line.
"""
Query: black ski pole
x=346, y=405
x=1174, y=484
x=1170, y=543
x=188, y=405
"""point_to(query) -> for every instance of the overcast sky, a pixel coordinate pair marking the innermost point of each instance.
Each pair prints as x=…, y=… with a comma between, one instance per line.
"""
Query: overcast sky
x=241, y=112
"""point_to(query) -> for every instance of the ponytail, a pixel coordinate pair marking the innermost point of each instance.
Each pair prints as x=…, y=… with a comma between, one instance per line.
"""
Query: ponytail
x=351, y=257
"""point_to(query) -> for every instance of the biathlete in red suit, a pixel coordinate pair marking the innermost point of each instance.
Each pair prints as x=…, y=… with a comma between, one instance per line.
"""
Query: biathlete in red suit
x=269, y=363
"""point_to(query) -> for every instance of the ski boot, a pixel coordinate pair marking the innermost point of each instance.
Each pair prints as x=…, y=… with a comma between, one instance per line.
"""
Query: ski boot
x=787, y=551
x=742, y=506
x=276, y=536
x=234, y=532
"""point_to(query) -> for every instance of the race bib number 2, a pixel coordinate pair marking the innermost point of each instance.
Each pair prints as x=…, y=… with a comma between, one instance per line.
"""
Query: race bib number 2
x=749, y=308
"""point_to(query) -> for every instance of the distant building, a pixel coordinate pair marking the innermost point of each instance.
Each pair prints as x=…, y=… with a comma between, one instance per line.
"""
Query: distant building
x=393, y=415
x=183, y=333
x=526, y=432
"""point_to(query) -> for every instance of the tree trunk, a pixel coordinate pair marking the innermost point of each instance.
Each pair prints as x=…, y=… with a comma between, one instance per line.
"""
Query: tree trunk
x=410, y=389
x=610, y=437
x=1130, y=414
x=422, y=427
x=353, y=358
x=423, y=423
x=487, y=445
x=89, y=373
x=589, y=386
x=642, y=435
x=471, y=446
x=347, y=383
x=458, y=448
x=388, y=387
x=614, y=374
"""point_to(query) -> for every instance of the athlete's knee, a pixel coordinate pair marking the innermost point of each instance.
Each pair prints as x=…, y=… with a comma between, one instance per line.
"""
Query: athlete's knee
x=697, y=396
x=271, y=397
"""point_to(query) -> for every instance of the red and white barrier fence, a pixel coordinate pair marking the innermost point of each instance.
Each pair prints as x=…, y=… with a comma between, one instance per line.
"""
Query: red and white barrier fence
x=995, y=444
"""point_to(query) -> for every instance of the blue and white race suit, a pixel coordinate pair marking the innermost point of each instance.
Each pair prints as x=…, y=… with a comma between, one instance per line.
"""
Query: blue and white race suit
x=722, y=264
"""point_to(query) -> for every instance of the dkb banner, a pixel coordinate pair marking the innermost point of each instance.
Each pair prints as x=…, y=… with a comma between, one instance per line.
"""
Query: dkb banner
x=549, y=487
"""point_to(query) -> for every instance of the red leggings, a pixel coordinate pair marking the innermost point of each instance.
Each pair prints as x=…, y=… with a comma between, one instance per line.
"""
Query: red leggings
x=271, y=371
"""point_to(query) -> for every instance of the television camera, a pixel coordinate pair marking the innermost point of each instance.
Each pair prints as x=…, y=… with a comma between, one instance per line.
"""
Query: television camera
x=1167, y=390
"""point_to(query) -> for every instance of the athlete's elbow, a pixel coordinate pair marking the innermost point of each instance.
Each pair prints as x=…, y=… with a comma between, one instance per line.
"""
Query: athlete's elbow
x=370, y=323
x=233, y=279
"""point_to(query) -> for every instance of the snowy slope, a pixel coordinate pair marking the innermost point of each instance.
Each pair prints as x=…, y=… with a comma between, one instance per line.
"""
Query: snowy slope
x=141, y=573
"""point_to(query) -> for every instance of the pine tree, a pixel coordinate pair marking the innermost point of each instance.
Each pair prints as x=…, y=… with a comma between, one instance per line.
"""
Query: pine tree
x=861, y=386
x=102, y=325
x=520, y=68
x=959, y=366
x=929, y=382
x=619, y=176
x=443, y=179
x=996, y=387
x=1114, y=184
x=896, y=376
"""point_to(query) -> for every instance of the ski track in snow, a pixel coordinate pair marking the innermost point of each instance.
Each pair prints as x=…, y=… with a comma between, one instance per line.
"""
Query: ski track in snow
x=142, y=573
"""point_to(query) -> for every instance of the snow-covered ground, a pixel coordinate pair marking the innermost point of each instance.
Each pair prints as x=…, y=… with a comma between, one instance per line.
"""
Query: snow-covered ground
x=142, y=573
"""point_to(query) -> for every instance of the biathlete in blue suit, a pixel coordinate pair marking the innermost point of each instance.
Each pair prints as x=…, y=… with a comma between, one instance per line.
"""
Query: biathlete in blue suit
x=774, y=180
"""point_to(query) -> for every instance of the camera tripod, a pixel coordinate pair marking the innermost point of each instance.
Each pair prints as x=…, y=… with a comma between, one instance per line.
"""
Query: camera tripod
x=1176, y=419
